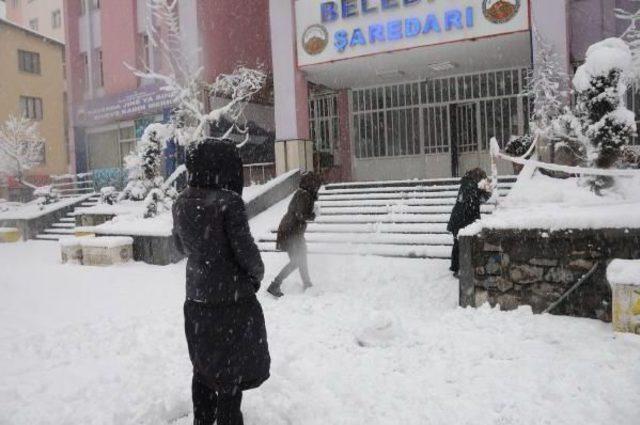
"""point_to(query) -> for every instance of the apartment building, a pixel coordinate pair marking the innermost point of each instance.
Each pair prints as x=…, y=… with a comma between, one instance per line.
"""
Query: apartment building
x=32, y=85
x=43, y=16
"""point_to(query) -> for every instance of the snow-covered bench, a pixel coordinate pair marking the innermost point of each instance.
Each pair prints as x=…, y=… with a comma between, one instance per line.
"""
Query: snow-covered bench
x=624, y=278
x=10, y=234
x=94, y=251
x=71, y=250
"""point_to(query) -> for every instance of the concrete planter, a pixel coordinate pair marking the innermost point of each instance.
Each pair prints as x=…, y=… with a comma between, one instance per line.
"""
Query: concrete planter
x=71, y=250
x=624, y=277
x=10, y=234
x=106, y=251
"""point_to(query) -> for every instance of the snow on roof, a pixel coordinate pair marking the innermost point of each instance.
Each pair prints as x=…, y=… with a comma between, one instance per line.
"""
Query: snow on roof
x=31, y=32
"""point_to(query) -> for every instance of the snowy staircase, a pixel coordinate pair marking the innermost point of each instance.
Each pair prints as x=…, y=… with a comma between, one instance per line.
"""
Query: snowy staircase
x=391, y=219
x=66, y=225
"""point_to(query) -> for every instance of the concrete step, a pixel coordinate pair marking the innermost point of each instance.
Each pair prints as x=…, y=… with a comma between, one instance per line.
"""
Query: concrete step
x=431, y=182
x=64, y=225
x=394, y=209
x=60, y=231
x=43, y=237
x=373, y=238
x=387, y=218
x=68, y=219
x=400, y=251
x=330, y=196
x=396, y=189
x=397, y=228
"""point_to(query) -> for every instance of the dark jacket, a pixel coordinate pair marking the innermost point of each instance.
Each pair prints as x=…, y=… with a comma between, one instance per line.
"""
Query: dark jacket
x=294, y=223
x=467, y=207
x=224, y=323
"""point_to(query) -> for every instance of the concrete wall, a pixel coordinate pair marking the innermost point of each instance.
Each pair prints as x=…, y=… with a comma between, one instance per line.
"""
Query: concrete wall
x=48, y=85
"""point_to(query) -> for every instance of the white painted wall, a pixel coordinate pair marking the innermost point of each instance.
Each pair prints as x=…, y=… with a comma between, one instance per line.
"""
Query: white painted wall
x=284, y=67
x=188, y=12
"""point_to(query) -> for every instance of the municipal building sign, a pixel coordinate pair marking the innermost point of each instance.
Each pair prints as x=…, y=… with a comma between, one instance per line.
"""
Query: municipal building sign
x=344, y=29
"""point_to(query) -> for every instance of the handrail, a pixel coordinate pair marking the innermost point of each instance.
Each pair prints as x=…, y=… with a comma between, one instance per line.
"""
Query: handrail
x=495, y=153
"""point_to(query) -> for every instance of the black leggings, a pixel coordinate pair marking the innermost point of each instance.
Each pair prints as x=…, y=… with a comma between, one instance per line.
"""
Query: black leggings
x=297, y=260
x=455, y=254
x=209, y=405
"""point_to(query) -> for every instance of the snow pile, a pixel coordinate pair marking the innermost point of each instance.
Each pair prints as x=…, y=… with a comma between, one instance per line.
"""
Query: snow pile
x=624, y=272
x=554, y=204
x=106, y=242
x=107, y=347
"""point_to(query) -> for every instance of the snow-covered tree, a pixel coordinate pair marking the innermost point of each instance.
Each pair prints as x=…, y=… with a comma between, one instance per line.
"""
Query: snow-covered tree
x=21, y=147
x=545, y=87
x=177, y=75
x=632, y=35
x=143, y=165
x=605, y=123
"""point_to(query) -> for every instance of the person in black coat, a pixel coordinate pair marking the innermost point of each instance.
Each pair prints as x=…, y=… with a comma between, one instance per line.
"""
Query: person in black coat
x=475, y=189
x=291, y=232
x=224, y=322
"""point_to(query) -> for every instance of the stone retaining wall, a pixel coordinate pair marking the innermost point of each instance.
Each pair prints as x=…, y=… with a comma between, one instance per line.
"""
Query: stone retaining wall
x=511, y=268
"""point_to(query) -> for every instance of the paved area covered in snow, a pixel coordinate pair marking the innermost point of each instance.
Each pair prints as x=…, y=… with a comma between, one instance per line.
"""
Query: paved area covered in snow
x=377, y=341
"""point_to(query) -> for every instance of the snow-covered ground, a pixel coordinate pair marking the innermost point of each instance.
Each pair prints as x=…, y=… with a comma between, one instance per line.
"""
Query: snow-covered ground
x=377, y=341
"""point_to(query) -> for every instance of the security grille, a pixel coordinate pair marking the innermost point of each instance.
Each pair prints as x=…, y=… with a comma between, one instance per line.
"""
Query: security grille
x=412, y=118
x=323, y=121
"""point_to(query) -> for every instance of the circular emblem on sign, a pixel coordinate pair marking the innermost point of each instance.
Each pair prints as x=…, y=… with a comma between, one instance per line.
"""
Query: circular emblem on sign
x=500, y=11
x=315, y=39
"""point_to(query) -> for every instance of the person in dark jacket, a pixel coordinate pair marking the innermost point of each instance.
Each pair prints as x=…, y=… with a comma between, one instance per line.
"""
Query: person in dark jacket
x=224, y=322
x=475, y=189
x=291, y=232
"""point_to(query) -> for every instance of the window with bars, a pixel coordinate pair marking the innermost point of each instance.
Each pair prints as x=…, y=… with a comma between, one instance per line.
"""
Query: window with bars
x=386, y=121
x=633, y=103
x=468, y=110
x=323, y=122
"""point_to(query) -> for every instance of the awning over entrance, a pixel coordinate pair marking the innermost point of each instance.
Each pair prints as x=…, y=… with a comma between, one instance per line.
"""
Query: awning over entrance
x=421, y=63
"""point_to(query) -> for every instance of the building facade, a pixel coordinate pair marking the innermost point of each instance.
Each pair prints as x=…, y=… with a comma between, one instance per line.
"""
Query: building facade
x=397, y=89
x=110, y=106
x=43, y=16
x=32, y=85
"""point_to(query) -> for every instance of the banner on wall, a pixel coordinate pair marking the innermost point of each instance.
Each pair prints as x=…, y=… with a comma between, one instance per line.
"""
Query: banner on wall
x=342, y=29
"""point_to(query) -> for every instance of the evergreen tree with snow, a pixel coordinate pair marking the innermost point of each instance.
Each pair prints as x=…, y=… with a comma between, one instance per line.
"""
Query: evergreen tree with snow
x=606, y=125
x=544, y=85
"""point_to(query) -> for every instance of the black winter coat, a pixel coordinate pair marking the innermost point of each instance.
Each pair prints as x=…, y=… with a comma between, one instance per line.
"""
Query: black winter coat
x=224, y=323
x=294, y=223
x=467, y=207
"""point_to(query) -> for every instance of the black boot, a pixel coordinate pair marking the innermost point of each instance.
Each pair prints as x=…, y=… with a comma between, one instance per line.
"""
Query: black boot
x=274, y=289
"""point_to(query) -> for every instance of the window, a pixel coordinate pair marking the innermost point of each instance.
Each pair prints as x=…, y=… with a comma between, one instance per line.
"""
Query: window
x=15, y=3
x=323, y=123
x=127, y=139
x=85, y=71
x=56, y=19
x=100, y=69
x=33, y=24
x=29, y=62
x=31, y=107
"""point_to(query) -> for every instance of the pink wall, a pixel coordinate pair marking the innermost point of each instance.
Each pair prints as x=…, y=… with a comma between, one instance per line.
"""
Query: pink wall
x=119, y=45
x=71, y=9
x=234, y=32
x=14, y=14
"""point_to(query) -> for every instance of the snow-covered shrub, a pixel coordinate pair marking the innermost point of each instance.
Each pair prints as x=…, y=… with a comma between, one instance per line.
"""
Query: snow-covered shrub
x=143, y=165
x=629, y=158
x=46, y=195
x=108, y=195
x=518, y=146
x=601, y=85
